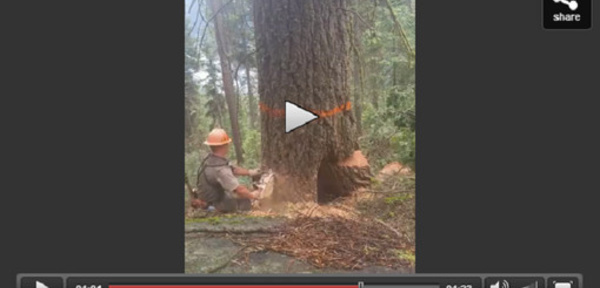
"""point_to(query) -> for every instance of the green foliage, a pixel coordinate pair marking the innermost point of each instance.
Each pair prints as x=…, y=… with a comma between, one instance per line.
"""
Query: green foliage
x=192, y=163
x=404, y=144
x=388, y=116
x=251, y=146
x=386, y=83
x=390, y=130
x=190, y=85
x=401, y=106
x=397, y=199
x=405, y=255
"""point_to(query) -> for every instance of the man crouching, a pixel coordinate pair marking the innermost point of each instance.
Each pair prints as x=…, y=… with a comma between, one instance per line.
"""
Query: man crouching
x=217, y=181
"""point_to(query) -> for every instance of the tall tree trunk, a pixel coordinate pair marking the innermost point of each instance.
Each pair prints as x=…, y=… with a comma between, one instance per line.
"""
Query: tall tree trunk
x=219, y=118
x=357, y=71
x=303, y=57
x=251, y=101
x=188, y=119
x=227, y=79
x=394, y=65
x=358, y=95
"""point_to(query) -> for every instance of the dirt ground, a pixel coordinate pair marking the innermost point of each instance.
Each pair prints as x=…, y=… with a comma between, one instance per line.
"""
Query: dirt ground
x=369, y=232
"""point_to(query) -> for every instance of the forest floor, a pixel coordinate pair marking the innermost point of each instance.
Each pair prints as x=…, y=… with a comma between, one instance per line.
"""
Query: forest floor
x=372, y=231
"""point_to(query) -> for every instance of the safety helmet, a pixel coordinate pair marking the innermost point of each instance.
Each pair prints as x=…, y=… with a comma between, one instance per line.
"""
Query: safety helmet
x=217, y=137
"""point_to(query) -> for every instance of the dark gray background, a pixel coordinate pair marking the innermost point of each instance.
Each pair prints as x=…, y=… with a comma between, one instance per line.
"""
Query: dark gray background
x=92, y=129
x=507, y=140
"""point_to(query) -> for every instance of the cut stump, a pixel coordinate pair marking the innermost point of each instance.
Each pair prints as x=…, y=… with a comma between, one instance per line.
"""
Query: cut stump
x=333, y=180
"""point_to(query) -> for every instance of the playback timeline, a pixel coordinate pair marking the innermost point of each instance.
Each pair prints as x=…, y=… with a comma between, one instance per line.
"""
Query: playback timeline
x=300, y=281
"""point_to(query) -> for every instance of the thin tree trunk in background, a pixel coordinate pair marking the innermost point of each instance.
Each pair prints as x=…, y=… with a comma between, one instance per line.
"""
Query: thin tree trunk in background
x=219, y=114
x=251, y=101
x=394, y=65
x=227, y=31
x=357, y=71
x=252, y=107
x=357, y=96
x=375, y=87
x=238, y=92
x=304, y=58
x=188, y=123
x=230, y=97
x=374, y=68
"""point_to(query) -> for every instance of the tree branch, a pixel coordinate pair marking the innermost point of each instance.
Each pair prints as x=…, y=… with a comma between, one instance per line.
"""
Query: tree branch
x=389, y=227
x=244, y=61
x=191, y=5
x=409, y=49
x=210, y=19
x=201, y=15
x=197, y=14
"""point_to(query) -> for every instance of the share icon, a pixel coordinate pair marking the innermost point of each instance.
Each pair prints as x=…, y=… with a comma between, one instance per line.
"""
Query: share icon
x=572, y=4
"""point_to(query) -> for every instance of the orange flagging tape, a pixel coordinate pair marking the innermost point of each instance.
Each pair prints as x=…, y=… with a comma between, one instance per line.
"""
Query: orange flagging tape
x=272, y=112
x=321, y=113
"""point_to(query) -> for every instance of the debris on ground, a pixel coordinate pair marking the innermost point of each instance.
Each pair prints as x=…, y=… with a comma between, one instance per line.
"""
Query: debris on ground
x=373, y=227
x=337, y=242
x=393, y=169
x=391, y=201
x=295, y=210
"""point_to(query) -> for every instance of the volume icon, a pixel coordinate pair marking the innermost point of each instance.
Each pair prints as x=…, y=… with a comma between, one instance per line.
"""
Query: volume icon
x=504, y=284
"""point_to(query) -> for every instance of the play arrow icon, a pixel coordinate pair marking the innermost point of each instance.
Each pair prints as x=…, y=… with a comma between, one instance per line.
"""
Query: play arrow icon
x=296, y=116
x=39, y=284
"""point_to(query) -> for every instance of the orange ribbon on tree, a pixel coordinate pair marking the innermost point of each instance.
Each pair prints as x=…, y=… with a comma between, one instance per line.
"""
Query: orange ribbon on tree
x=321, y=113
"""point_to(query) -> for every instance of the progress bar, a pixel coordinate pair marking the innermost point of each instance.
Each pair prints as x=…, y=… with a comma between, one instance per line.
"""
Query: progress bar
x=232, y=286
x=348, y=280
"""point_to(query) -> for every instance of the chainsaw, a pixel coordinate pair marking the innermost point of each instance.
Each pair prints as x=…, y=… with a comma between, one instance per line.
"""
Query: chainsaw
x=264, y=185
x=193, y=193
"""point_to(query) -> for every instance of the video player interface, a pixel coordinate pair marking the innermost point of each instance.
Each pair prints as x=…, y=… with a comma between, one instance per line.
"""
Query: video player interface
x=299, y=281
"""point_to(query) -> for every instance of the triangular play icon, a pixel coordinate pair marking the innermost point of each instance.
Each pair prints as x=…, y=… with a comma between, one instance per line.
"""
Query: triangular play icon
x=296, y=116
x=39, y=284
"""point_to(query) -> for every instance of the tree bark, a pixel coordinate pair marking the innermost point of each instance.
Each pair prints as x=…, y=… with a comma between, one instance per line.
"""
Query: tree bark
x=304, y=58
x=230, y=97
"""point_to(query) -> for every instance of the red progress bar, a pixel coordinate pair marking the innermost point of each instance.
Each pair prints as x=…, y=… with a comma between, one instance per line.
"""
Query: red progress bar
x=232, y=286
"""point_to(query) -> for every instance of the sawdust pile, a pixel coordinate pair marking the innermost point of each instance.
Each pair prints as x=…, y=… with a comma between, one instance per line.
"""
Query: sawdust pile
x=357, y=159
x=336, y=242
x=296, y=210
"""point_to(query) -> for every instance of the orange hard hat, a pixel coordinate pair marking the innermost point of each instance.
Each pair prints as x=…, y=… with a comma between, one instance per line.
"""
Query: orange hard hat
x=217, y=137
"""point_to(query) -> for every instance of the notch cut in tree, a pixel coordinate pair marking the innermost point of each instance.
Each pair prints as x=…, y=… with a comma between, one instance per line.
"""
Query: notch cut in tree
x=305, y=58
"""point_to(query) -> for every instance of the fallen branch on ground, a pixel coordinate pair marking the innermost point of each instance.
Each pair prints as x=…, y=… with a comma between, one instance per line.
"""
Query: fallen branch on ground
x=336, y=242
x=389, y=227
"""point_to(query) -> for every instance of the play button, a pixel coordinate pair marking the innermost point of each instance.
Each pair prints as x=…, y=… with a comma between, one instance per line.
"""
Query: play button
x=41, y=282
x=296, y=116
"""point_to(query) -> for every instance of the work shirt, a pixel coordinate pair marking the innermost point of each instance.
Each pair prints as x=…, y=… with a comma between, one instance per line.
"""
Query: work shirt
x=217, y=180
